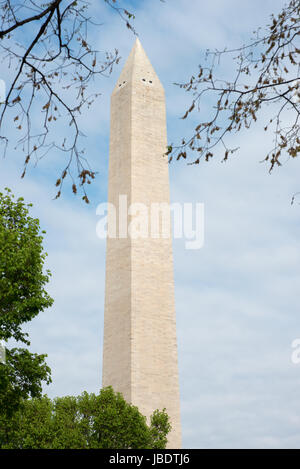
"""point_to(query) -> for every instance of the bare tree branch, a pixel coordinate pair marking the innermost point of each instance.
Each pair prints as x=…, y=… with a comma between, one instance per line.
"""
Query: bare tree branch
x=47, y=44
x=267, y=73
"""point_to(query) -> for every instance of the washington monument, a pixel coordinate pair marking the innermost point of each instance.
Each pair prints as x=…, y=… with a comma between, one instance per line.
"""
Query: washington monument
x=140, y=346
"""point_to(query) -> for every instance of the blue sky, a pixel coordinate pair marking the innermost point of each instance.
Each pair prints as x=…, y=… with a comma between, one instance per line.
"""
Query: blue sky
x=237, y=297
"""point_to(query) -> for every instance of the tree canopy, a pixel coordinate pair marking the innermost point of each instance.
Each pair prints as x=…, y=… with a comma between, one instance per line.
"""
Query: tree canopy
x=22, y=297
x=88, y=421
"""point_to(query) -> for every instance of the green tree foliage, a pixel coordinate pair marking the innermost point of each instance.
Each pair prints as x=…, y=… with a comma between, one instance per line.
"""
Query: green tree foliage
x=22, y=297
x=88, y=421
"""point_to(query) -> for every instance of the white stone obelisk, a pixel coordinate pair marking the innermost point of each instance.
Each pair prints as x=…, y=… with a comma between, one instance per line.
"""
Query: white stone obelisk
x=140, y=346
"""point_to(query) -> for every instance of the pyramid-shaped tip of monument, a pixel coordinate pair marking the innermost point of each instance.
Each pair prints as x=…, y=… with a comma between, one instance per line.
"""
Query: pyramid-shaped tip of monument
x=138, y=46
x=138, y=69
